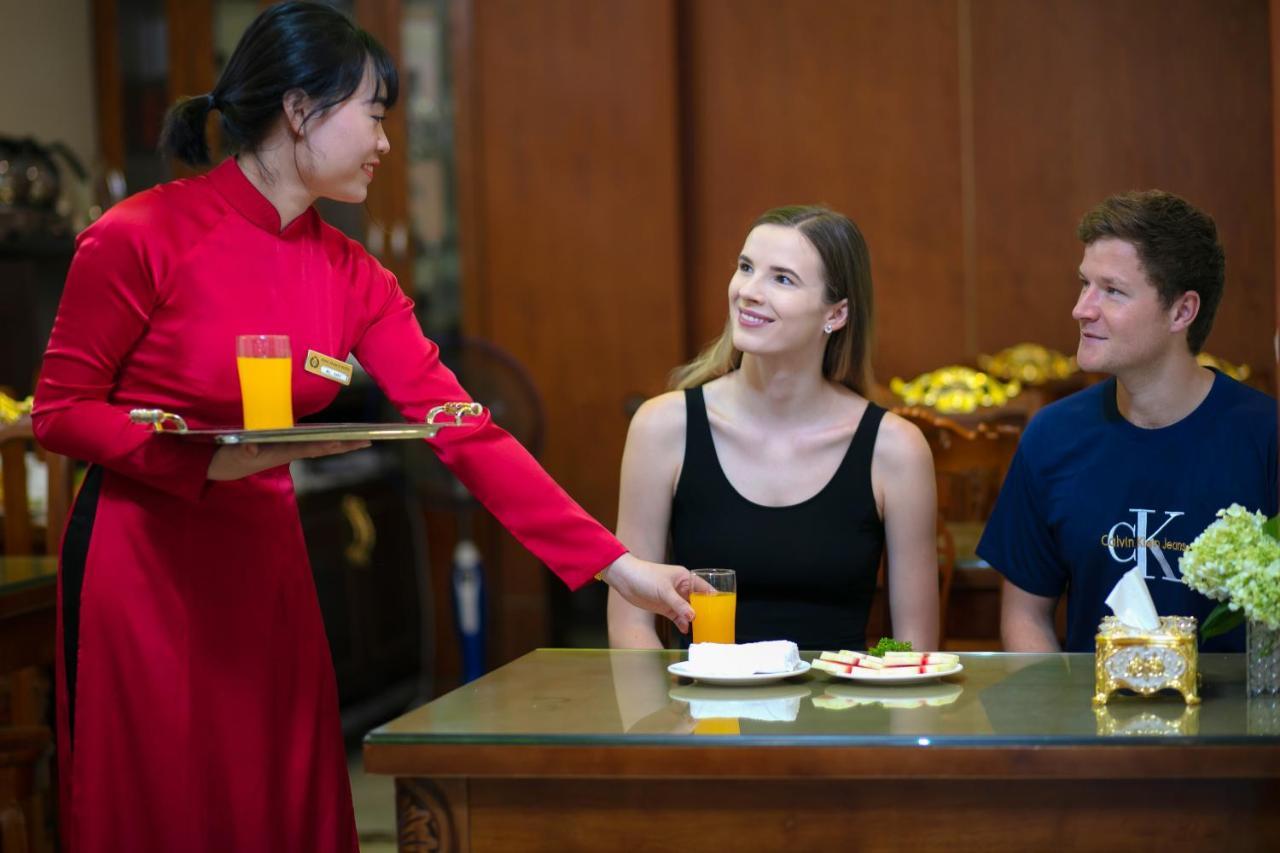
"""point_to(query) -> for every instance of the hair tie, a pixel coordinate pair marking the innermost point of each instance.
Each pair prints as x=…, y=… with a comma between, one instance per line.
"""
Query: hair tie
x=212, y=101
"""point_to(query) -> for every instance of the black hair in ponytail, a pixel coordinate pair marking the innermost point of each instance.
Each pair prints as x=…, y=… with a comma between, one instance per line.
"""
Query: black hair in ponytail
x=294, y=45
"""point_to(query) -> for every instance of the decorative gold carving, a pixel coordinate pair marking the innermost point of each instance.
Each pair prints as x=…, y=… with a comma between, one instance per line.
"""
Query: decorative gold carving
x=1239, y=372
x=456, y=411
x=1147, y=662
x=1144, y=666
x=955, y=390
x=11, y=409
x=364, y=534
x=1030, y=364
x=159, y=417
x=423, y=819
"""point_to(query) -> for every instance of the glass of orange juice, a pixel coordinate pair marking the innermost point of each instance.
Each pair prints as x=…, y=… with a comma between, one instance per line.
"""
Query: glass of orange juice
x=715, y=612
x=265, y=380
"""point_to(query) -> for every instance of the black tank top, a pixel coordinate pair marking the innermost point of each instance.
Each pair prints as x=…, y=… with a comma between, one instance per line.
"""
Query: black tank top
x=806, y=572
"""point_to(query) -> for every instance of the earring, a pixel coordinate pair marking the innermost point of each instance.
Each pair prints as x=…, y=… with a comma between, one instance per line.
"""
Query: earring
x=827, y=328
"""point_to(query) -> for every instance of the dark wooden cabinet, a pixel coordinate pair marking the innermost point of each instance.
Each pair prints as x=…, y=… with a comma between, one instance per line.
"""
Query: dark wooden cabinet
x=366, y=547
x=31, y=276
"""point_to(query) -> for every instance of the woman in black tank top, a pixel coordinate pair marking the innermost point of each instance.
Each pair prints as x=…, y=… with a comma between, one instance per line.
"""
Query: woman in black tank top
x=769, y=460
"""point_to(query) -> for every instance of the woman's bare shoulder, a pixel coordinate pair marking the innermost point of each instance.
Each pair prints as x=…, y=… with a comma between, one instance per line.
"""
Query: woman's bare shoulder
x=660, y=419
x=900, y=442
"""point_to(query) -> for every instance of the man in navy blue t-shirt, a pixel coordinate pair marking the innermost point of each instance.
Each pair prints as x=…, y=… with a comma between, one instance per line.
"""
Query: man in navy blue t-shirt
x=1129, y=471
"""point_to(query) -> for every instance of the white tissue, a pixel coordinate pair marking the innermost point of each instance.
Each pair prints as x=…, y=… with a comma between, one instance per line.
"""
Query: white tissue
x=1130, y=601
x=726, y=659
x=781, y=710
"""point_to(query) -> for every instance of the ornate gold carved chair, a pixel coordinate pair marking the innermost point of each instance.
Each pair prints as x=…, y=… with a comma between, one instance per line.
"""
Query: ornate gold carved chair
x=969, y=466
x=25, y=741
x=1045, y=374
x=20, y=527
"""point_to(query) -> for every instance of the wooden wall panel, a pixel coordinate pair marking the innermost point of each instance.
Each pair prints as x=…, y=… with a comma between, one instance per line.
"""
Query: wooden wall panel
x=568, y=185
x=388, y=202
x=191, y=65
x=575, y=129
x=1077, y=99
x=612, y=155
x=107, y=84
x=852, y=104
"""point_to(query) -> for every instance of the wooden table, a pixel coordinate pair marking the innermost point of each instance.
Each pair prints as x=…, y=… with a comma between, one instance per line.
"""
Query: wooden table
x=599, y=750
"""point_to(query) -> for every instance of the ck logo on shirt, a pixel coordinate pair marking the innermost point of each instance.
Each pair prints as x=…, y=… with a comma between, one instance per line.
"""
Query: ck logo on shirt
x=1139, y=542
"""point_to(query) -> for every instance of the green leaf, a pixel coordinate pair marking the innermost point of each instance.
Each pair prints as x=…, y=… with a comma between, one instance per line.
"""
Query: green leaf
x=1272, y=527
x=1221, y=620
x=888, y=644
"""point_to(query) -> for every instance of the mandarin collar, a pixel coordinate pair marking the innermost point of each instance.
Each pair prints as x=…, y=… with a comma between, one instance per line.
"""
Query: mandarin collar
x=232, y=184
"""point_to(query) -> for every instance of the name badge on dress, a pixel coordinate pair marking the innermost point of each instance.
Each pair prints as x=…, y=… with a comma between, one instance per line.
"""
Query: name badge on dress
x=329, y=368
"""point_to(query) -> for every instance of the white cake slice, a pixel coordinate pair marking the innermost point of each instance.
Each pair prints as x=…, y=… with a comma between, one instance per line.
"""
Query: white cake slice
x=917, y=658
x=919, y=668
x=845, y=663
x=832, y=666
x=854, y=658
x=850, y=659
x=725, y=659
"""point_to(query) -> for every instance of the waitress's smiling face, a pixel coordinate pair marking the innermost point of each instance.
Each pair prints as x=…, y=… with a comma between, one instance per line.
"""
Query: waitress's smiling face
x=341, y=147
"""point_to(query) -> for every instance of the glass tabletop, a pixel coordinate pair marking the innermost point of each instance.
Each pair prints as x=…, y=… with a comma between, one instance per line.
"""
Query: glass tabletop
x=601, y=697
x=18, y=573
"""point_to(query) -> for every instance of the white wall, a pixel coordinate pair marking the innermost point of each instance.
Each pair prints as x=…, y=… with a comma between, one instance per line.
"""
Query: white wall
x=47, y=74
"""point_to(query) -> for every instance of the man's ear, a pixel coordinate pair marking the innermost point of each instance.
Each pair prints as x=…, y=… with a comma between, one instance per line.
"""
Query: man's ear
x=296, y=107
x=1184, y=311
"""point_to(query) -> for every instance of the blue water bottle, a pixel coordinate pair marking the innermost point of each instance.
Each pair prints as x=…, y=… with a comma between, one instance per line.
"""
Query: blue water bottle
x=469, y=607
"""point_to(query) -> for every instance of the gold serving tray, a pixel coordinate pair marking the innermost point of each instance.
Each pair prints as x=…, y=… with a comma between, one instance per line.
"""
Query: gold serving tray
x=168, y=423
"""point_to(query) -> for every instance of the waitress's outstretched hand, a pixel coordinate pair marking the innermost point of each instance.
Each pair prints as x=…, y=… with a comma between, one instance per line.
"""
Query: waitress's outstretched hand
x=240, y=460
x=654, y=586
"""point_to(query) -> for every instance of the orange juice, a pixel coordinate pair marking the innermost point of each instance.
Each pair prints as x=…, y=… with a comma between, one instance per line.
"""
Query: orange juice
x=265, y=390
x=714, y=616
x=717, y=726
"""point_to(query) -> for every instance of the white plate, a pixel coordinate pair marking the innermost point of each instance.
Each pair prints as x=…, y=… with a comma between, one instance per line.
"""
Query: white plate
x=905, y=678
x=681, y=668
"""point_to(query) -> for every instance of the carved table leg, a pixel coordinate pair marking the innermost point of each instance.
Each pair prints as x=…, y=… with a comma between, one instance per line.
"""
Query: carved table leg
x=431, y=815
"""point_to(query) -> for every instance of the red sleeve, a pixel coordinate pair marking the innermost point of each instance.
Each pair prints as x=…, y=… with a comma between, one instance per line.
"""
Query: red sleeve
x=106, y=304
x=497, y=470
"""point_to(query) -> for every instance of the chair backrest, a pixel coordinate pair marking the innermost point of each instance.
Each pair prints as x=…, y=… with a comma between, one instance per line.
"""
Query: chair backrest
x=16, y=439
x=880, y=619
x=969, y=463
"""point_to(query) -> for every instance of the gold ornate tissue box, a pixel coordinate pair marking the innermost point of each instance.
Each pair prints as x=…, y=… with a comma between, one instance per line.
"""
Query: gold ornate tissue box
x=1147, y=662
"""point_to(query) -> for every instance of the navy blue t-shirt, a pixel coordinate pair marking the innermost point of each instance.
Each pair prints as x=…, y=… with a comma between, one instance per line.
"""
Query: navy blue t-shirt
x=1089, y=496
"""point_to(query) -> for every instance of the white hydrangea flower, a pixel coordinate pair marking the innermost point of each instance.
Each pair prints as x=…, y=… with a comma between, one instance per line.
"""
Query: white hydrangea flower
x=1237, y=561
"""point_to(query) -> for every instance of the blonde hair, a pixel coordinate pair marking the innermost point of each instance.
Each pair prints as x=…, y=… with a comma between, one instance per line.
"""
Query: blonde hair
x=846, y=264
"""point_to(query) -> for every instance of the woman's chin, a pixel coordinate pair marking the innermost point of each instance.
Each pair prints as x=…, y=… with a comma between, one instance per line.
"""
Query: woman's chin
x=348, y=195
x=744, y=342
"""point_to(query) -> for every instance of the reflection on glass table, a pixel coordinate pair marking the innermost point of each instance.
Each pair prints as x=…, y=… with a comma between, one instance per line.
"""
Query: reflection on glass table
x=568, y=696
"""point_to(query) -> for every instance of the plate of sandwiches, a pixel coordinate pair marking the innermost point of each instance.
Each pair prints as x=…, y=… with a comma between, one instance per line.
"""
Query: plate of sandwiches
x=892, y=668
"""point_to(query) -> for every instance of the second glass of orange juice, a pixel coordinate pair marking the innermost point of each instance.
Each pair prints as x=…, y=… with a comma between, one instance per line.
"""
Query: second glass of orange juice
x=715, y=612
x=265, y=380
